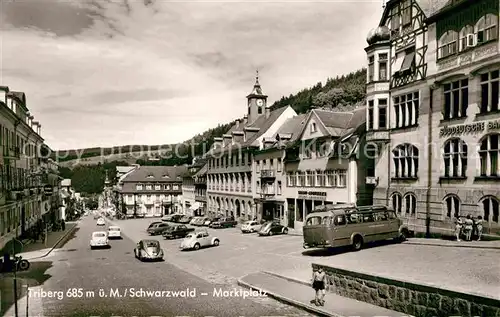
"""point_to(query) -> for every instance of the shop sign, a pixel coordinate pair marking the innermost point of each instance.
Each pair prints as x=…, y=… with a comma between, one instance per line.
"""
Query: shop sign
x=48, y=190
x=469, y=128
x=304, y=194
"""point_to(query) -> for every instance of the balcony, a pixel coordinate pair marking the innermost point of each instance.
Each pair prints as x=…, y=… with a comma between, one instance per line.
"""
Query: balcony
x=267, y=174
x=371, y=180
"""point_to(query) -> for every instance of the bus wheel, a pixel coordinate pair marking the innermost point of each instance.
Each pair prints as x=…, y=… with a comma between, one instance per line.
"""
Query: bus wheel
x=357, y=243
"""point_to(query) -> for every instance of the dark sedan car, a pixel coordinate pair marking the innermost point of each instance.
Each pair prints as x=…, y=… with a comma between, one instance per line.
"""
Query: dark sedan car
x=271, y=228
x=158, y=228
x=148, y=250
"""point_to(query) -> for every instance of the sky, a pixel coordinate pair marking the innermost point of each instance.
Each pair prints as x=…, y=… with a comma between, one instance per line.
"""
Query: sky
x=101, y=73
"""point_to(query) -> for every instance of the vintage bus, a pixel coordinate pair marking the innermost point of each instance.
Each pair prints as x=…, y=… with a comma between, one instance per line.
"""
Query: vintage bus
x=348, y=225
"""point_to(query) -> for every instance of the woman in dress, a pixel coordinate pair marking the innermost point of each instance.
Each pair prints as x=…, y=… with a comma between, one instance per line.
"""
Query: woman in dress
x=318, y=284
x=479, y=227
x=458, y=227
x=468, y=227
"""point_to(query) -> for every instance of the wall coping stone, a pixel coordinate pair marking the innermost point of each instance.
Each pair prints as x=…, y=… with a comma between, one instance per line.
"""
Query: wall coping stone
x=479, y=299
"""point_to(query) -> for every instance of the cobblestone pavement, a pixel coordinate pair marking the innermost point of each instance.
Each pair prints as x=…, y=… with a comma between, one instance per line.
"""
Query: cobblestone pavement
x=460, y=269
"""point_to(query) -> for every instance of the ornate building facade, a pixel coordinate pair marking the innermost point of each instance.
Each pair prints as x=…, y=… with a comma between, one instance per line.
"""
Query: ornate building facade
x=433, y=111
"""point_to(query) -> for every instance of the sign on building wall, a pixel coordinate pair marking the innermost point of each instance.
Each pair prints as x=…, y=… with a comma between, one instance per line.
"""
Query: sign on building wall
x=313, y=195
x=462, y=129
x=48, y=190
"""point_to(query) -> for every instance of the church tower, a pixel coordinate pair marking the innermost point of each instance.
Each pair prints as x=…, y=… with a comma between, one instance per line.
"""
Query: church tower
x=257, y=102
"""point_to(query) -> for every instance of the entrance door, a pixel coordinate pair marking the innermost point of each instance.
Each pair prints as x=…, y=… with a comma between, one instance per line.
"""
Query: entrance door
x=291, y=216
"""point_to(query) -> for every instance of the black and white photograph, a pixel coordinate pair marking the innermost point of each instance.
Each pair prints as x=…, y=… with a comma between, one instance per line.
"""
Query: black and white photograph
x=222, y=158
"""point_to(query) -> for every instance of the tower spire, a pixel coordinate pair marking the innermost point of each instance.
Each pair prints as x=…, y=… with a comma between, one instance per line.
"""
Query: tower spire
x=257, y=78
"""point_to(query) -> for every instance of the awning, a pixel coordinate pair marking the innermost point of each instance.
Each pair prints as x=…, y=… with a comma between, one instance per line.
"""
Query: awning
x=195, y=206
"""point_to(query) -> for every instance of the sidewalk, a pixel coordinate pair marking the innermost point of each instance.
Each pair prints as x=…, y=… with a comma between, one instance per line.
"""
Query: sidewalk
x=458, y=244
x=300, y=295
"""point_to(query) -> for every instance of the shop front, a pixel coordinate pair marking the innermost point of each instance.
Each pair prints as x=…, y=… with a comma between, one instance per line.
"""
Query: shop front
x=271, y=209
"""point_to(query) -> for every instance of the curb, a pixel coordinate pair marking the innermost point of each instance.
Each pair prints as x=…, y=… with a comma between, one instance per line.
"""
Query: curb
x=452, y=246
x=290, y=279
x=286, y=300
x=57, y=242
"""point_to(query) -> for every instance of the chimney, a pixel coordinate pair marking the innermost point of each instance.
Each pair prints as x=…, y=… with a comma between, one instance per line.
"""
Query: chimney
x=268, y=112
x=34, y=125
x=245, y=119
x=39, y=129
x=30, y=120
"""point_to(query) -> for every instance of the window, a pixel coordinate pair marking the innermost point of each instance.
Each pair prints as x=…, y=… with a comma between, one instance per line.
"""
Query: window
x=148, y=187
x=175, y=187
x=397, y=202
x=395, y=19
x=406, y=110
x=456, y=99
x=452, y=205
x=410, y=205
x=405, y=161
x=408, y=61
x=279, y=164
x=310, y=181
x=259, y=110
x=313, y=127
x=455, y=158
x=466, y=37
x=371, y=68
x=382, y=66
x=138, y=187
x=489, y=151
x=279, y=188
x=490, y=209
x=369, y=125
x=257, y=187
x=406, y=13
x=448, y=44
x=301, y=179
x=331, y=179
x=382, y=113
x=320, y=179
x=489, y=92
x=157, y=187
x=342, y=182
x=291, y=179
x=486, y=28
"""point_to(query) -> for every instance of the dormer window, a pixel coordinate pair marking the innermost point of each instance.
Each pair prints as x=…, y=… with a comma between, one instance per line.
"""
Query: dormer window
x=165, y=176
x=150, y=176
x=406, y=13
x=395, y=22
x=487, y=29
x=448, y=44
x=149, y=187
x=138, y=187
x=313, y=127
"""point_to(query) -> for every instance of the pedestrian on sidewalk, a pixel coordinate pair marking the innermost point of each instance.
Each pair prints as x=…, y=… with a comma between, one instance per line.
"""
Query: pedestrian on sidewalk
x=479, y=227
x=468, y=227
x=458, y=227
x=319, y=284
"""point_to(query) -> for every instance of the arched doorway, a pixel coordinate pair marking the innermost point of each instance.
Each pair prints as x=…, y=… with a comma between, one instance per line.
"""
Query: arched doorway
x=237, y=208
x=243, y=209
x=217, y=205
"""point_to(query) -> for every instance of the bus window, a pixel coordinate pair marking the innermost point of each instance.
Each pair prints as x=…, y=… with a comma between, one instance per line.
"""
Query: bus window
x=313, y=221
x=391, y=215
x=368, y=218
x=340, y=220
x=381, y=216
x=353, y=218
x=327, y=220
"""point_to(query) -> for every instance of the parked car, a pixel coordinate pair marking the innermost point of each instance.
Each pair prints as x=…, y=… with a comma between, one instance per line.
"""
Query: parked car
x=209, y=221
x=153, y=224
x=199, y=239
x=225, y=222
x=148, y=250
x=176, y=218
x=177, y=231
x=99, y=239
x=166, y=218
x=250, y=226
x=194, y=220
x=101, y=222
x=158, y=228
x=185, y=219
x=114, y=232
x=200, y=221
x=271, y=228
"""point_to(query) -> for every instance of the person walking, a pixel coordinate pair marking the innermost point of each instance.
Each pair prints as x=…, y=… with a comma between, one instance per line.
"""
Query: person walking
x=458, y=227
x=468, y=227
x=479, y=227
x=319, y=285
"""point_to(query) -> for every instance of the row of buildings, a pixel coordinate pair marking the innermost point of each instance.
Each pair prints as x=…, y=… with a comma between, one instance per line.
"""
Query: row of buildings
x=30, y=187
x=427, y=142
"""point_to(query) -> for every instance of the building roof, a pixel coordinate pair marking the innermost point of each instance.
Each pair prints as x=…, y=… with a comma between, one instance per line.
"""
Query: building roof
x=202, y=171
x=164, y=174
x=341, y=123
x=293, y=127
x=262, y=123
x=428, y=7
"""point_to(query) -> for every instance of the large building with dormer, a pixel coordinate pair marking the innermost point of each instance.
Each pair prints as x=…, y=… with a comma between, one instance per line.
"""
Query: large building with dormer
x=231, y=172
x=152, y=191
x=433, y=111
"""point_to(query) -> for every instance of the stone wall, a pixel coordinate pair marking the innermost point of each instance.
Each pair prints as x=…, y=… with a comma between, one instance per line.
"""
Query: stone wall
x=413, y=299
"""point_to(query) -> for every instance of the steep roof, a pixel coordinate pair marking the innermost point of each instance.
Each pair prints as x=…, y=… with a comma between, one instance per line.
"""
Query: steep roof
x=124, y=169
x=163, y=174
x=202, y=171
x=340, y=123
x=293, y=126
x=428, y=7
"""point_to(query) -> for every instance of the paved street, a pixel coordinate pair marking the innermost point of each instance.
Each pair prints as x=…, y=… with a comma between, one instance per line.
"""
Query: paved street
x=76, y=266
x=240, y=254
